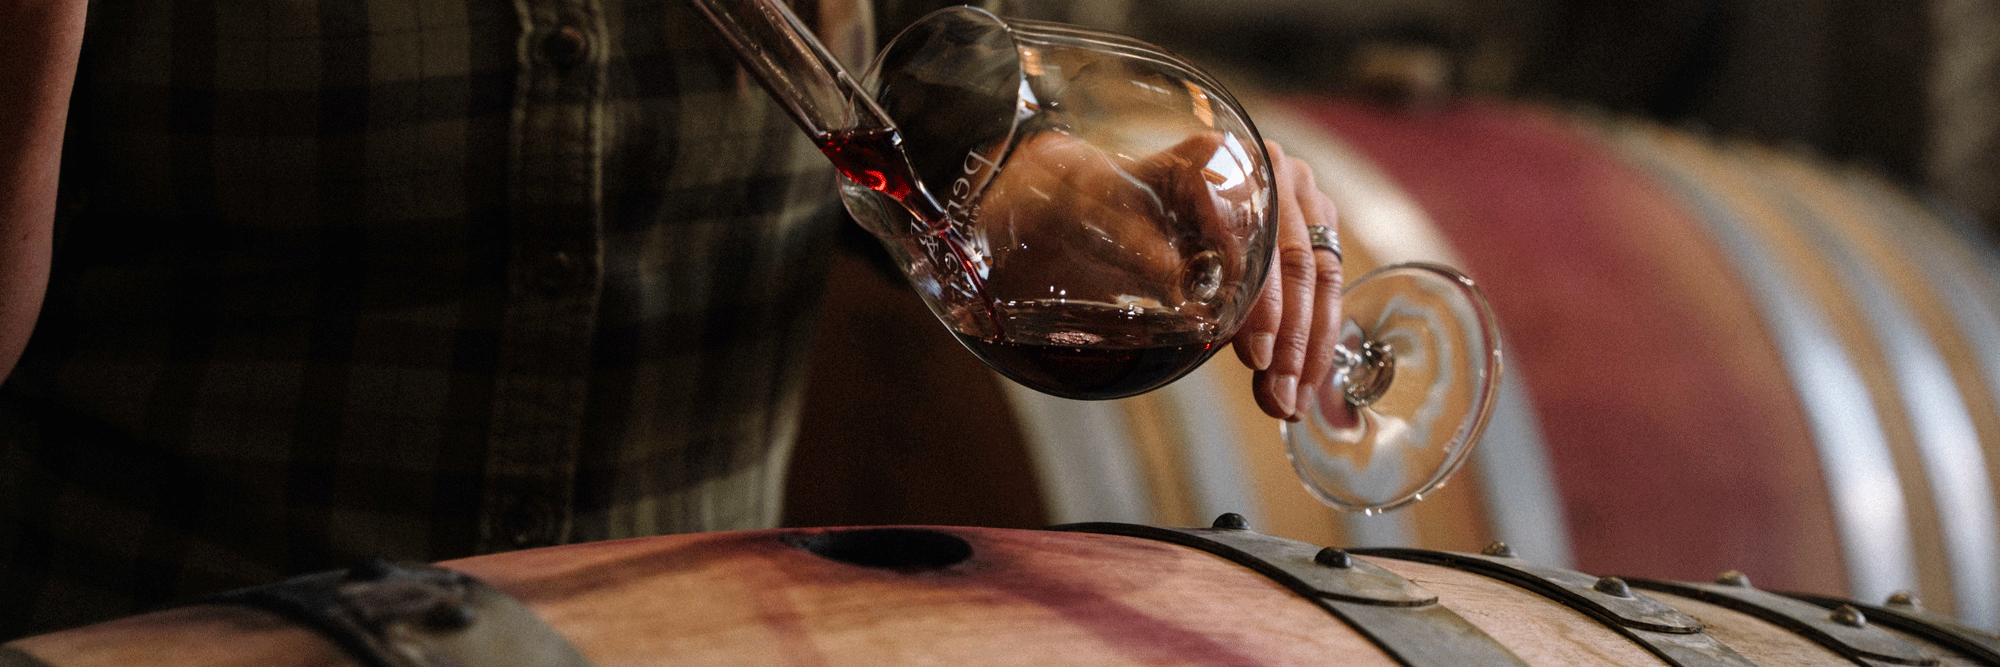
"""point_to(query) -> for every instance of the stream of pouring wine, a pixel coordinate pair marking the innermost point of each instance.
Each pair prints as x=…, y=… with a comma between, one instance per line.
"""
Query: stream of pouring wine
x=844, y=122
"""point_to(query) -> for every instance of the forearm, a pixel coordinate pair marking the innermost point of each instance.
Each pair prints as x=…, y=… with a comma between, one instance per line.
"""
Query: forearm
x=39, y=41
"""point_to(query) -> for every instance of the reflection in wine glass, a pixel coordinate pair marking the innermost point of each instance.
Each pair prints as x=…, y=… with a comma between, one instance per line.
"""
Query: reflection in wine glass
x=1419, y=369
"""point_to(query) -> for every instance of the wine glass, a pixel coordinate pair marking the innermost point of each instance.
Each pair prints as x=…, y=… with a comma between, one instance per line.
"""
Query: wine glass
x=1418, y=369
x=1094, y=217
x=1123, y=289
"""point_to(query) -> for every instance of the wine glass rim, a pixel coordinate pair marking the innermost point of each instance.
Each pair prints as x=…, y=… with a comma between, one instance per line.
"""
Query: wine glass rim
x=1022, y=96
x=1025, y=102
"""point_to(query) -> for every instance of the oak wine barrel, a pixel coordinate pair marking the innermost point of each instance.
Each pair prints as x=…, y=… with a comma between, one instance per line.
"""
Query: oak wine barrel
x=1082, y=594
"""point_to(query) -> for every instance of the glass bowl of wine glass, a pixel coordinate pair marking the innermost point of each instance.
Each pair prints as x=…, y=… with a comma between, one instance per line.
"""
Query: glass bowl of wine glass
x=1091, y=215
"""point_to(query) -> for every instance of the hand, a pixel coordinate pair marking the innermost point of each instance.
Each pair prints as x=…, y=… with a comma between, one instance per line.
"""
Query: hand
x=1290, y=337
x=39, y=46
x=1104, y=227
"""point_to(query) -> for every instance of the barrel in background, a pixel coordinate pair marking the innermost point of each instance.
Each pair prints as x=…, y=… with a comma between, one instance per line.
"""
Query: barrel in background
x=1725, y=356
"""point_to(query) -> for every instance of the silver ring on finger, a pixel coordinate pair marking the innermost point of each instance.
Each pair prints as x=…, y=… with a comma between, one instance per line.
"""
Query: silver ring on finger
x=1324, y=238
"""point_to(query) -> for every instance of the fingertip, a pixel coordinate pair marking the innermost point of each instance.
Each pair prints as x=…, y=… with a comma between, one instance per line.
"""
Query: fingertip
x=1260, y=348
x=1284, y=392
x=1305, y=402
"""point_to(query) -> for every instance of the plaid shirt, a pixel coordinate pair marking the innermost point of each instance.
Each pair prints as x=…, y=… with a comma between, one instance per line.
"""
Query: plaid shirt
x=418, y=279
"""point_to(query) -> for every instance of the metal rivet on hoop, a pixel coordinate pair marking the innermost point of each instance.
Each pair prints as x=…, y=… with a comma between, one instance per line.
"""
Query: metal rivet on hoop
x=1733, y=578
x=1613, y=587
x=1337, y=558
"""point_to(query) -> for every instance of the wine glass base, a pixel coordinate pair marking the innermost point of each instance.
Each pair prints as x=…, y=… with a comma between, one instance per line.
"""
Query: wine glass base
x=1411, y=397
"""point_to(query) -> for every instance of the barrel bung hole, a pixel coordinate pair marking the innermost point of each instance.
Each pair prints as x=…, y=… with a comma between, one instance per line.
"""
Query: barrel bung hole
x=903, y=549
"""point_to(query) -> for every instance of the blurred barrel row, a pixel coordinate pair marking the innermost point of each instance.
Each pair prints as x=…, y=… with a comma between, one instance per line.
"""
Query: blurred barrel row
x=1727, y=356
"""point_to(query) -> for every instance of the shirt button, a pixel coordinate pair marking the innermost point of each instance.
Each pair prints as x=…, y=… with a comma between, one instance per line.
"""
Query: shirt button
x=567, y=46
x=528, y=522
x=558, y=274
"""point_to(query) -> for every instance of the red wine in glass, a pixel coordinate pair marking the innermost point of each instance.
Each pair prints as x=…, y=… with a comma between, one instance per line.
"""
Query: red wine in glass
x=1093, y=351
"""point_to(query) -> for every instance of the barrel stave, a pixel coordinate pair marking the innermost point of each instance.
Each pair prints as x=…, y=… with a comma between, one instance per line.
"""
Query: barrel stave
x=197, y=636
x=1022, y=597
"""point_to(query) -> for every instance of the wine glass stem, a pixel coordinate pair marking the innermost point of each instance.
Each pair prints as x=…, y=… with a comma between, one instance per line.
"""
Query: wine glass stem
x=1365, y=374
